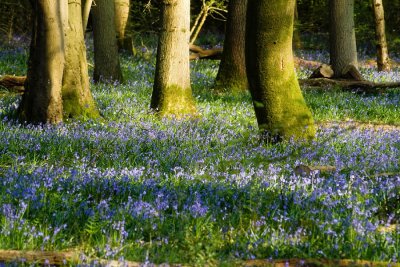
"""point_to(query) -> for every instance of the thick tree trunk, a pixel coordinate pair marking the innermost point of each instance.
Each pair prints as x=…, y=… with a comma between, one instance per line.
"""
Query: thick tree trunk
x=381, y=44
x=343, y=50
x=172, y=93
x=121, y=20
x=232, y=69
x=106, y=60
x=278, y=102
x=41, y=102
x=76, y=96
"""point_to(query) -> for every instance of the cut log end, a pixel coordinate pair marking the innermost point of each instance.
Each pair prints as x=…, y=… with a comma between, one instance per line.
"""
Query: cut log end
x=323, y=71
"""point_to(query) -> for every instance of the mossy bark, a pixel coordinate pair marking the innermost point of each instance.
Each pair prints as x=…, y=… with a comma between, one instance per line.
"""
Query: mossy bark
x=41, y=102
x=343, y=49
x=278, y=102
x=76, y=96
x=106, y=59
x=172, y=94
x=231, y=75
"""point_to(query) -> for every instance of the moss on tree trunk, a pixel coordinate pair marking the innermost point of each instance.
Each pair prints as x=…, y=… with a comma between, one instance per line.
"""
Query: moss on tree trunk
x=278, y=102
x=172, y=94
x=77, y=98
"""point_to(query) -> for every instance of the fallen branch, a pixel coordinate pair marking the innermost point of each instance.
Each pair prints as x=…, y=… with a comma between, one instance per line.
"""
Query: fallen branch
x=304, y=170
x=318, y=262
x=199, y=53
x=47, y=258
x=52, y=258
x=350, y=85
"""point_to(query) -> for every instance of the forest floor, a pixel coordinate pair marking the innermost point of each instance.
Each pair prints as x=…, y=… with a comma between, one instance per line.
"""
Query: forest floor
x=135, y=190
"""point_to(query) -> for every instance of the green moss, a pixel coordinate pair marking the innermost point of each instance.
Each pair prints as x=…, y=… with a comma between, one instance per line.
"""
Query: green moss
x=286, y=114
x=234, y=86
x=74, y=106
x=176, y=101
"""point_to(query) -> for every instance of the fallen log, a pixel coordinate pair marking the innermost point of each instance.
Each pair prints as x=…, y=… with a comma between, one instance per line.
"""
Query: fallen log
x=318, y=263
x=13, y=83
x=55, y=258
x=47, y=258
x=350, y=85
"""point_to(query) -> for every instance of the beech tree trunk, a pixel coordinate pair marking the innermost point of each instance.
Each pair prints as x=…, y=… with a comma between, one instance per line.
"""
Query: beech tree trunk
x=106, y=60
x=121, y=19
x=41, y=102
x=381, y=44
x=278, y=102
x=76, y=95
x=232, y=69
x=343, y=49
x=172, y=93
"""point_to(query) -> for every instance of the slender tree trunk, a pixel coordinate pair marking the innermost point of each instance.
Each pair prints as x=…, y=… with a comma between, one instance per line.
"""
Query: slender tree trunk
x=232, y=69
x=76, y=96
x=343, y=49
x=106, y=59
x=278, y=102
x=41, y=102
x=381, y=44
x=87, y=5
x=121, y=20
x=172, y=94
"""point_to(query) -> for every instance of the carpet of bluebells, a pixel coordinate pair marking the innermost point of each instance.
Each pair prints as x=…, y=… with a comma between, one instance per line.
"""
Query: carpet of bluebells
x=132, y=186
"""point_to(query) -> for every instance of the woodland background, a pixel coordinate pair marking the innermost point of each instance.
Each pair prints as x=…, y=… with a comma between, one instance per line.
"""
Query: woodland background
x=312, y=22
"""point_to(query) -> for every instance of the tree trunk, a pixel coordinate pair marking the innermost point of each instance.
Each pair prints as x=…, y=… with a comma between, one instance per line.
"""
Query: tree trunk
x=106, y=59
x=87, y=5
x=278, y=102
x=41, y=102
x=76, y=96
x=121, y=20
x=381, y=45
x=172, y=94
x=343, y=50
x=232, y=69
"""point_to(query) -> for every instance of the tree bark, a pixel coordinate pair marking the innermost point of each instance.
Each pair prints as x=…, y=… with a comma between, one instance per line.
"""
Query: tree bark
x=106, y=60
x=278, y=102
x=381, y=44
x=122, y=8
x=76, y=95
x=232, y=69
x=343, y=50
x=85, y=13
x=172, y=93
x=41, y=102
